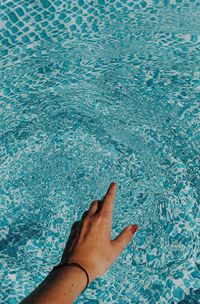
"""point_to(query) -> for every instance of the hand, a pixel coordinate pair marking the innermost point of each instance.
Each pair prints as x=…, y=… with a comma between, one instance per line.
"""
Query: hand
x=89, y=243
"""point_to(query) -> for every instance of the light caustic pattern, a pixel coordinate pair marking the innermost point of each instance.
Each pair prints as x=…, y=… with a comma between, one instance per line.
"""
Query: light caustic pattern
x=94, y=92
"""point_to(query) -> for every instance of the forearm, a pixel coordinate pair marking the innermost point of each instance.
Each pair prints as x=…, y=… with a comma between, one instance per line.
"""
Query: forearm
x=62, y=286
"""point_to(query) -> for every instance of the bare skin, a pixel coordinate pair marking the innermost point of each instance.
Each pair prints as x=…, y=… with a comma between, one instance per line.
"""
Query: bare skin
x=90, y=245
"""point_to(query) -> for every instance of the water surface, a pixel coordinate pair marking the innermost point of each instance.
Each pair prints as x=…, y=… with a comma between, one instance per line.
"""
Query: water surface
x=94, y=92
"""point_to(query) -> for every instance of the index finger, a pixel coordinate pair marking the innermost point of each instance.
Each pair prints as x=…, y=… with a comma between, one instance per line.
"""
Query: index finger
x=108, y=200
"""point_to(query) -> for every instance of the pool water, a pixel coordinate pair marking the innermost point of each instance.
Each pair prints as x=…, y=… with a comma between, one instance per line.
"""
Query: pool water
x=95, y=92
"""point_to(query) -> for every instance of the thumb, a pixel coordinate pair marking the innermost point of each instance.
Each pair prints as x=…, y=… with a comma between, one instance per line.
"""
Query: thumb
x=122, y=240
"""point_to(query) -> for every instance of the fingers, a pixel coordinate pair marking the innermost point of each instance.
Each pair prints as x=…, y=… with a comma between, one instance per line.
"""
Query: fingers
x=84, y=215
x=93, y=207
x=108, y=201
x=74, y=230
x=103, y=206
x=122, y=240
x=75, y=225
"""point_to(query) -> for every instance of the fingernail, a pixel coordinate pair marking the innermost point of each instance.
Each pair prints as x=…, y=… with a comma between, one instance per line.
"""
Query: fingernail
x=134, y=228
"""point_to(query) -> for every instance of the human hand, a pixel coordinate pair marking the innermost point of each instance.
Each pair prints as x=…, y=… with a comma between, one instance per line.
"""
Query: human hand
x=89, y=243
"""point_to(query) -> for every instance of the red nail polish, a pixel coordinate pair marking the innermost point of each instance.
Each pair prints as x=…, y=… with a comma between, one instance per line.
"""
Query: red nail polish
x=134, y=228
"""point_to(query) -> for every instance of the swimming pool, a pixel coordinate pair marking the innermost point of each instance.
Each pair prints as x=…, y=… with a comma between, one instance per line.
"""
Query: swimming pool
x=94, y=92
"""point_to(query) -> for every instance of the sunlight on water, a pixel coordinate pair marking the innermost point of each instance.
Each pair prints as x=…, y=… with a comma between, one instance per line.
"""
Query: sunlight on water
x=94, y=92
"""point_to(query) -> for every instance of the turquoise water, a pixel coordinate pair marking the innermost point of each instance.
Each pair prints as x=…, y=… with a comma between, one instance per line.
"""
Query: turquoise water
x=94, y=92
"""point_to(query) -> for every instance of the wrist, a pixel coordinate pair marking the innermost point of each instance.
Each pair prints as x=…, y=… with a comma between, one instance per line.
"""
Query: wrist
x=75, y=273
x=88, y=268
x=72, y=265
x=62, y=285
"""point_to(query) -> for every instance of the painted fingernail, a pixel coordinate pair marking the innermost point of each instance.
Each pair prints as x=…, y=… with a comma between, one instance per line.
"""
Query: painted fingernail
x=134, y=228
